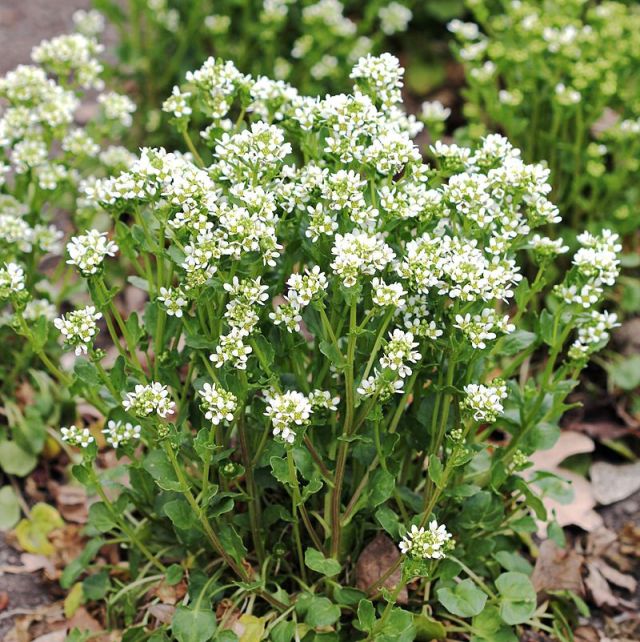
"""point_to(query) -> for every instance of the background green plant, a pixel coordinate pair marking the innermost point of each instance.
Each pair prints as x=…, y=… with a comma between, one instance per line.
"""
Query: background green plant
x=561, y=80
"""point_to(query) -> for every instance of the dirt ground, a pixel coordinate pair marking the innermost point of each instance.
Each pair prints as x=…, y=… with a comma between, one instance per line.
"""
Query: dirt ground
x=24, y=23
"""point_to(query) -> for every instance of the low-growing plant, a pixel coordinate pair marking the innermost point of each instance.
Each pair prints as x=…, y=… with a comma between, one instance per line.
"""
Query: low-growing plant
x=560, y=79
x=338, y=345
x=46, y=156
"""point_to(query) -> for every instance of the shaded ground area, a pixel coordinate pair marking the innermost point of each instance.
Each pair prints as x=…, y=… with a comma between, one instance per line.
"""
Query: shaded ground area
x=19, y=593
x=23, y=23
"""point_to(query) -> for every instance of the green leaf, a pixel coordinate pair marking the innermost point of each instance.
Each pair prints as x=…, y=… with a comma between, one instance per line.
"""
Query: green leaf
x=625, y=373
x=390, y=521
x=96, y=586
x=481, y=511
x=282, y=632
x=180, y=514
x=334, y=355
x=87, y=373
x=513, y=562
x=174, y=574
x=428, y=629
x=280, y=470
x=14, y=460
x=193, y=624
x=32, y=532
x=9, y=508
x=157, y=464
x=464, y=600
x=366, y=615
x=517, y=597
x=100, y=518
x=322, y=612
x=515, y=342
x=545, y=327
x=435, y=471
x=316, y=561
x=381, y=487
x=75, y=567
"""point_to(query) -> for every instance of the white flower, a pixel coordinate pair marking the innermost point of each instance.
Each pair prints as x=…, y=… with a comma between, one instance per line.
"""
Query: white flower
x=11, y=280
x=394, y=18
x=87, y=251
x=485, y=402
x=387, y=294
x=118, y=107
x=430, y=543
x=434, y=112
x=79, y=328
x=149, y=399
x=287, y=411
x=75, y=436
x=118, y=432
x=399, y=351
x=218, y=404
x=174, y=300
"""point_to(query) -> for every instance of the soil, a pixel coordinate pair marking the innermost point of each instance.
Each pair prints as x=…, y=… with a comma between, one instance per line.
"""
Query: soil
x=24, y=23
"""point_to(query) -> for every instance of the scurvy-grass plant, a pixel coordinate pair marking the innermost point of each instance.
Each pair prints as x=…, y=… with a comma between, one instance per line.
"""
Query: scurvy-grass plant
x=310, y=43
x=560, y=79
x=338, y=342
x=46, y=157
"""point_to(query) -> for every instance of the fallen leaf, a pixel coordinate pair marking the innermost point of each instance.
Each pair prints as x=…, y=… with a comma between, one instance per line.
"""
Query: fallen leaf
x=586, y=634
x=377, y=557
x=162, y=612
x=612, y=483
x=570, y=443
x=55, y=636
x=4, y=600
x=579, y=511
x=558, y=569
x=83, y=621
x=614, y=576
x=71, y=502
x=599, y=588
x=607, y=120
x=602, y=430
x=30, y=564
x=630, y=540
x=32, y=532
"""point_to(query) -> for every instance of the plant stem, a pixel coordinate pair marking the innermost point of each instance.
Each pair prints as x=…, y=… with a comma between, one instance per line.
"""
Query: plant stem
x=346, y=433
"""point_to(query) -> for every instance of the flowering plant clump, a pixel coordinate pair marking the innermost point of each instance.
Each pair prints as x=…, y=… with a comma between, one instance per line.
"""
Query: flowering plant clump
x=327, y=353
x=561, y=80
x=47, y=158
x=311, y=44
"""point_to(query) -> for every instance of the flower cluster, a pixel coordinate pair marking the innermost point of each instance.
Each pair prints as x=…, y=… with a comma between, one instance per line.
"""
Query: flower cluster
x=118, y=433
x=426, y=544
x=287, y=411
x=79, y=328
x=89, y=250
x=149, y=399
x=217, y=404
x=484, y=402
x=75, y=436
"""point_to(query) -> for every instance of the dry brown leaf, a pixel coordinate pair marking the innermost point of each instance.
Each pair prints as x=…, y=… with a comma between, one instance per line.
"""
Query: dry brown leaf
x=71, y=502
x=614, y=576
x=630, y=540
x=168, y=594
x=377, y=557
x=599, y=588
x=55, y=636
x=612, y=483
x=558, y=569
x=84, y=621
x=586, y=634
x=4, y=600
x=162, y=612
x=602, y=429
x=30, y=564
x=570, y=443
